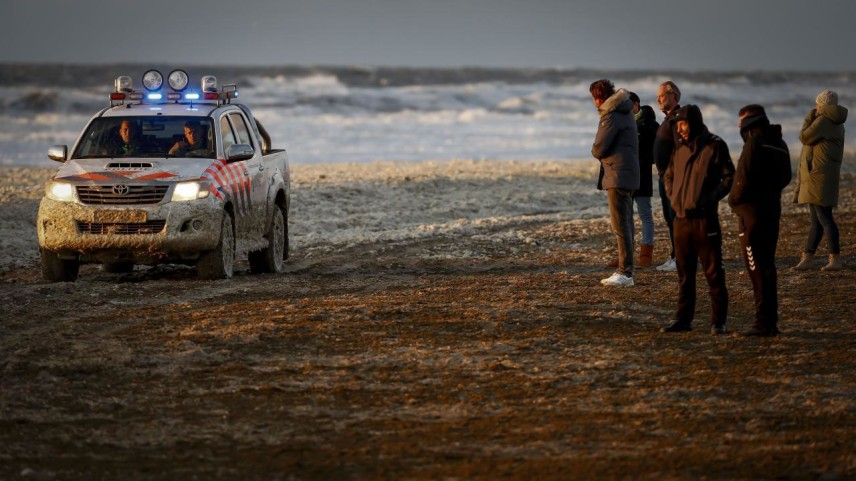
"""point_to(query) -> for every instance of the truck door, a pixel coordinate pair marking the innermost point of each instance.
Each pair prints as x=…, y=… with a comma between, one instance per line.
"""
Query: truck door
x=258, y=173
x=236, y=176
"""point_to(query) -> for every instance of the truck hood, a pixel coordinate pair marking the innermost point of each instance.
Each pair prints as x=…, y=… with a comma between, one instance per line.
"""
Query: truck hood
x=131, y=170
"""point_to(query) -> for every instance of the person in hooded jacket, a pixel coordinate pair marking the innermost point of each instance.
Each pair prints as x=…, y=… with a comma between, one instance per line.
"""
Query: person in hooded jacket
x=646, y=127
x=763, y=171
x=616, y=146
x=822, y=136
x=699, y=176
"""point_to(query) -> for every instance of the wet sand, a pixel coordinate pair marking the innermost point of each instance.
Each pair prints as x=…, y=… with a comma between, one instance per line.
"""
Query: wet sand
x=472, y=342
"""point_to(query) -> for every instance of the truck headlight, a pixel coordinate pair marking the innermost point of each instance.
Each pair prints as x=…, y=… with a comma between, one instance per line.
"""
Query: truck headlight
x=189, y=191
x=60, y=191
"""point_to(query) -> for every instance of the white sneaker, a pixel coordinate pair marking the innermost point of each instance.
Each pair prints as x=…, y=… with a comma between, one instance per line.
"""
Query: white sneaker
x=668, y=266
x=618, y=279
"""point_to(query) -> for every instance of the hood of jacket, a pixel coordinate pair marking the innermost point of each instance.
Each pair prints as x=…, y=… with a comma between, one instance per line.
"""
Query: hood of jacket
x=692, y=114
x=646, y=114
x=619, y=102
x=772, y=132
x=835, y=113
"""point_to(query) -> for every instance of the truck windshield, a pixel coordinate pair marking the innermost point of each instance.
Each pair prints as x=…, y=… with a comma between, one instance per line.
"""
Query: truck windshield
x=111, y=137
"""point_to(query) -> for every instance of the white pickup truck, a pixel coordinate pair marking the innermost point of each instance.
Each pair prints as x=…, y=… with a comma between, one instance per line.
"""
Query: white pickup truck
x=167, y=175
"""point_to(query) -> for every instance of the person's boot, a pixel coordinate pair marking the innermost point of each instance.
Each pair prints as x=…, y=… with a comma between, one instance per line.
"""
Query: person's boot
x=805, y=262
x=834, y=263
x=645, y=255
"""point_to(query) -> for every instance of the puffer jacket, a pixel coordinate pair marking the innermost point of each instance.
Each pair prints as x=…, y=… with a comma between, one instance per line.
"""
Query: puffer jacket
x=616, y=144
x=701, y=171
x=647, y=126
x=822, y=136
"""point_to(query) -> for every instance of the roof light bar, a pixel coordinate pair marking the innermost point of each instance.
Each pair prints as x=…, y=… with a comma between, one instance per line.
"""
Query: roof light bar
x=178, y=81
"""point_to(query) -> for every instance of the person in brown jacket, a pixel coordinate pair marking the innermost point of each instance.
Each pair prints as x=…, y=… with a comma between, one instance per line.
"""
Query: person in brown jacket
x=822, y=136
x=698, y=177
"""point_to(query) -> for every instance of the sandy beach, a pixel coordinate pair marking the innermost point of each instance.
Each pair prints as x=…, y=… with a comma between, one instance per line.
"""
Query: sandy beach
x=437, y=320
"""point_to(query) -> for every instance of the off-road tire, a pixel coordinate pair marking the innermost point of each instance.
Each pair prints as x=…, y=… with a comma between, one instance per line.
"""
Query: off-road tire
x=219, y=263
x=55, y=269
x=272, y=258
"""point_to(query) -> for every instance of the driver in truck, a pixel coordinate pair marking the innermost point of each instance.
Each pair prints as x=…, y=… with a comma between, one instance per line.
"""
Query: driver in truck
x=193, y=139
x=127, y=141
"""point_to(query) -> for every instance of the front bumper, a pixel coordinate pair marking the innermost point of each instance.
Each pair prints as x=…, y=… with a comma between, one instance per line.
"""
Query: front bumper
x=142, y=234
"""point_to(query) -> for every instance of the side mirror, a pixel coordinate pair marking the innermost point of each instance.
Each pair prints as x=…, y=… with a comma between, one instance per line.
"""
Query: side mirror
x=58, y=153
x=240, y=152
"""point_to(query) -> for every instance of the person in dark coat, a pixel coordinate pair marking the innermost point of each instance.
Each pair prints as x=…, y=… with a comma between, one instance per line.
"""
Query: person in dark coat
x=646, y=126
x=763, y=171
x=668, y=99
x=699, y=176
x=617, y=147
x=822, y=136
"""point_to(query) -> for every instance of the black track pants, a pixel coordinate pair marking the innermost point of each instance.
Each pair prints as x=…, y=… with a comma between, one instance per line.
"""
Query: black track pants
x=759, y=235
x=700, y=240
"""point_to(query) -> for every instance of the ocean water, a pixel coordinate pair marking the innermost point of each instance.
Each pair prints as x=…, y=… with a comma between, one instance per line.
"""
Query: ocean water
x=361, y=114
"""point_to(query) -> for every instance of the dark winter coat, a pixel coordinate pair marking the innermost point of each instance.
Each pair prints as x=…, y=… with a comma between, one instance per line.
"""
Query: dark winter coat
x=701, y=170
x=646, y=126
x=763, y=171
x=822, y=136
x=616, y=144
x=665, y=142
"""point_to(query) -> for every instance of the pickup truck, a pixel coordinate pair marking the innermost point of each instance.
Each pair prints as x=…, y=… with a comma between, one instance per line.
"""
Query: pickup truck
x=167, y=175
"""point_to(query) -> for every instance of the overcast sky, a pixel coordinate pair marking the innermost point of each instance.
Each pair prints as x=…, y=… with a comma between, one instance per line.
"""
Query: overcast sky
x=659, y=34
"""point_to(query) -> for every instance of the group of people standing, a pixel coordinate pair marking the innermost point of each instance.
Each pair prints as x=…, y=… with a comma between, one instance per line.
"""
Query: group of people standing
x=695, y=172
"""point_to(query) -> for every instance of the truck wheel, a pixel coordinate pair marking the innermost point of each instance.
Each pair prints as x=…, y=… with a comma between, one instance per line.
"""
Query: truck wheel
x=117, y=267
x=272, y=257
x=55, y=269
x=219, y=263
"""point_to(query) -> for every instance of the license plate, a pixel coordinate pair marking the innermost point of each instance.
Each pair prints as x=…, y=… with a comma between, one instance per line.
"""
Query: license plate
x=114, y=216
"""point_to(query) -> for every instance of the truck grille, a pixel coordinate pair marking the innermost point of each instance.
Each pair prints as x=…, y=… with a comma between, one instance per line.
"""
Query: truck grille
x=150, y=227
x=131, y=194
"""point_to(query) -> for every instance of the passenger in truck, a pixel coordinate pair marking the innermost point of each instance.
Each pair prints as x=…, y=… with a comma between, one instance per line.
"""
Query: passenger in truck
x=193, y=140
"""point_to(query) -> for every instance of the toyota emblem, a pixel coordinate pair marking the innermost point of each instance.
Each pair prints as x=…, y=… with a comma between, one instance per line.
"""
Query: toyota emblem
x=121, y=189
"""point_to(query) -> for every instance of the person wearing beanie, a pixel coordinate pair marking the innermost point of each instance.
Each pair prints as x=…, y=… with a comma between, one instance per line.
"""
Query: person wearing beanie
x=822, y=136
x=763, y=171
x=699, y=176
x=616, y=146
